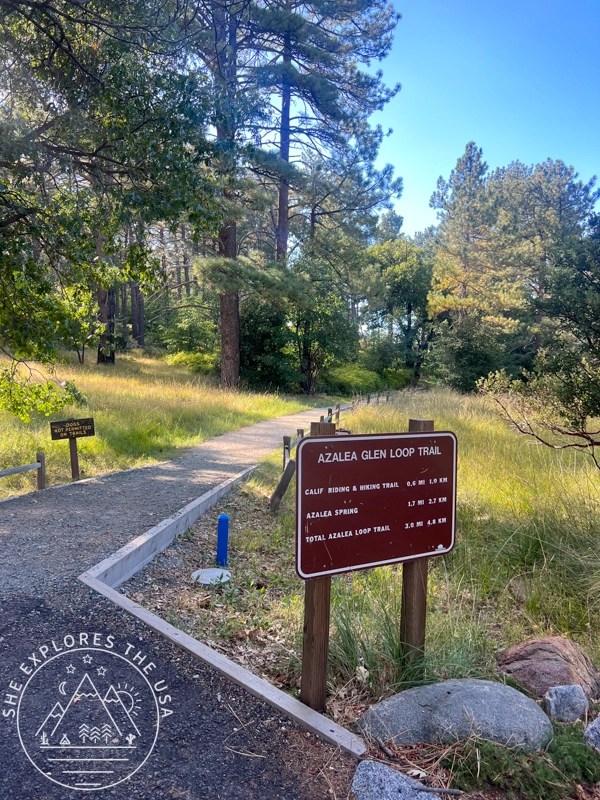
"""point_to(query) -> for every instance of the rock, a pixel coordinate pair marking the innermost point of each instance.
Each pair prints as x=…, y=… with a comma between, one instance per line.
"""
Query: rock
x=518, y=587
x=455, y=710
x=539, y=664
x=373, y=781
x=565, y=703
x=592, y=734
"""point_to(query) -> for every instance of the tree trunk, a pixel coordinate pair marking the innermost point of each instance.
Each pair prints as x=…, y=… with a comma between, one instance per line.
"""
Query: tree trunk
x=230, y=340
x=230, y=316
x=164, y=276
x=134, y=311
x=106, y=315
x=226, y=30
x=284, y=152
x=141, y=338
x=124, y=326
x=306, y=361
x=137, y=314
x=186, y=262
x=186, y=275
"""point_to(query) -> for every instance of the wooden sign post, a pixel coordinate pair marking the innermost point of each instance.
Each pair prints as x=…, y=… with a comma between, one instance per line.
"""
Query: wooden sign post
x=414, y=589
x=72, y=429
x=315, y=635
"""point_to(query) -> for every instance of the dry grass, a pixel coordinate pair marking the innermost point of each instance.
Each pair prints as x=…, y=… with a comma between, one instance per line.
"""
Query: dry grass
x=525, y=564
x=144, y=411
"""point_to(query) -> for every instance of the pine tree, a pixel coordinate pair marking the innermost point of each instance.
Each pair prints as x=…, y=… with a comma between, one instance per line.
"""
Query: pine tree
x=312, y=55
x=477, y=297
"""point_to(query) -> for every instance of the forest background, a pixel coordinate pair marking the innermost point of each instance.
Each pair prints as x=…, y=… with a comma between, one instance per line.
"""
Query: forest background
x=198, y=178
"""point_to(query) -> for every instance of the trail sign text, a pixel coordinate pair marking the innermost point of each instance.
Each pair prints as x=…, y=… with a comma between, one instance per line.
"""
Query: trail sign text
x=72, y=428
x=365, y=501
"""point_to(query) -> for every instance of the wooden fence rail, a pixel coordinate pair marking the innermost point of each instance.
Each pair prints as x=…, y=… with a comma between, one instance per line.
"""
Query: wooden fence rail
x=289, y=465
x=39, y=465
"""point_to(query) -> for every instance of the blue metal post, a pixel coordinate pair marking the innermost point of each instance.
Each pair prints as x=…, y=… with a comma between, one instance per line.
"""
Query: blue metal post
x=222, y=539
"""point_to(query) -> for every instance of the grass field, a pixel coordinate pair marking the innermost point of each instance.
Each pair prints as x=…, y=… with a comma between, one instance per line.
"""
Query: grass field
x=526, y=563
x=144, y=411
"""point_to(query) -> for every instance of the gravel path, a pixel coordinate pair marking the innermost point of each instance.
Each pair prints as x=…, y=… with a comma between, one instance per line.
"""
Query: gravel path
x=219, y=742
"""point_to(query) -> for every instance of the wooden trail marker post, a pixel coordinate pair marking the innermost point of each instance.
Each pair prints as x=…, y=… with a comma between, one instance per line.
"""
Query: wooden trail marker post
x=287, y=443
x=72, y=429
x=41, y=473
x=414, y=589
x=315, y=635
x=366, y=501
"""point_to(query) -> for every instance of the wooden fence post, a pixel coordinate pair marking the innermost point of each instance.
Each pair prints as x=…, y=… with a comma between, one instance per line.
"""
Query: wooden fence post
x=283, y=484
x=315, y=645
x=322, y=428
x=41, y=471
x=287, y=444
x=337, y=413
x=414, y=589
x=315, y=636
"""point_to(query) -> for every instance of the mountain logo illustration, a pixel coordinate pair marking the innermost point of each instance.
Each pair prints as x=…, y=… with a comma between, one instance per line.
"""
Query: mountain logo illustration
x=120, y=714
x=56, y=714
x=88, y=718
x=86, y=708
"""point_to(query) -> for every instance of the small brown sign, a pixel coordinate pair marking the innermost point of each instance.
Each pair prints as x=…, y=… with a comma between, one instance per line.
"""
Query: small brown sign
x=366, y=501
x=72, y=428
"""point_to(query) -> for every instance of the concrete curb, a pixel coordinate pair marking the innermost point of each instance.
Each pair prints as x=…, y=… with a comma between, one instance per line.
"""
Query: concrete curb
x=128, y=560
x=260, y=688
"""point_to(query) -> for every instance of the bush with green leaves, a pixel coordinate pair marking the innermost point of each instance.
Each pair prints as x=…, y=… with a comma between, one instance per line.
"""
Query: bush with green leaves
x=350, y=379
x=186, y=330
x=468, y=349
x=266, y=348
x=199, y=363
x=379, y=352
x=26, y=394
x=551, y=774
x=398, y=378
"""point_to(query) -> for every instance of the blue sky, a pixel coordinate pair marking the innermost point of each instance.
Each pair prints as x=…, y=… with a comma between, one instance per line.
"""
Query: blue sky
x=521, y=79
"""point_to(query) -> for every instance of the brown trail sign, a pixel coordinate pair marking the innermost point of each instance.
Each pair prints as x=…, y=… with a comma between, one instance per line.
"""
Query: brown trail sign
x=73, y=429
x=366, y=501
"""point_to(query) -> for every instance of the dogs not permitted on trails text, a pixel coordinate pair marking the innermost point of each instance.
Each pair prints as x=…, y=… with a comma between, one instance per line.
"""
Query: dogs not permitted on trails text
x=72, y=428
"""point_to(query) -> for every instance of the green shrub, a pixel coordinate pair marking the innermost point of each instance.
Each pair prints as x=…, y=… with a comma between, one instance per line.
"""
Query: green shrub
x=350, y=379
x=551, y=774
x=199, y=363
x=187, y=330
x=398, y=378
x=569, y=752
x=266, y=349
x=380, y=353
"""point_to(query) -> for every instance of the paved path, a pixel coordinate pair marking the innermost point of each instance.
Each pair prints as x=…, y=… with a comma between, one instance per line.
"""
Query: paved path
x=219, y=742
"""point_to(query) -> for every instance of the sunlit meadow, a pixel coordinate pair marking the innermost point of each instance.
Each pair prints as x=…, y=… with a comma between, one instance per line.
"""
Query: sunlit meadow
x=144, y=411
x=526, y=562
